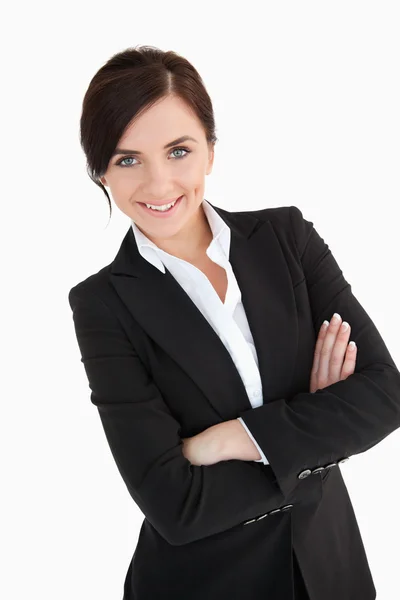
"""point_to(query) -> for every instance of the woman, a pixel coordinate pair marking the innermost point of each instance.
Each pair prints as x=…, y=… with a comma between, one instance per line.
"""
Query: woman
x=227, y=404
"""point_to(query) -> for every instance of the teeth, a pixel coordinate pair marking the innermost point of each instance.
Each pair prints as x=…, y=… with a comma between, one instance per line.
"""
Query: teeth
x=161, y=208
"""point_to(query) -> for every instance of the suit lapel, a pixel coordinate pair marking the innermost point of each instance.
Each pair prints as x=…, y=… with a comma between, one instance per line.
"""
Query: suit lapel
x=168, y=315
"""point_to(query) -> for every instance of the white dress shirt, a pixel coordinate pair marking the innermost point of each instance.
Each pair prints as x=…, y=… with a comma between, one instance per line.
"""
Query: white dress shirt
x=228, y=319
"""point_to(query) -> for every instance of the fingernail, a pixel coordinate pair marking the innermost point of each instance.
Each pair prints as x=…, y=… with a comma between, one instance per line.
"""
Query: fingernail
x=352, y=346
x=344, y=326
x=325, y=323
x=336, y=317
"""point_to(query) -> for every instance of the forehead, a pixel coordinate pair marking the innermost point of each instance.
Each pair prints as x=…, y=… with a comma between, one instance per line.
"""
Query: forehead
x=157, y=125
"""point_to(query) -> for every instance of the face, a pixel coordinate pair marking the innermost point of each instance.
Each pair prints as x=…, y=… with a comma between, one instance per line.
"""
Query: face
x=144, y=171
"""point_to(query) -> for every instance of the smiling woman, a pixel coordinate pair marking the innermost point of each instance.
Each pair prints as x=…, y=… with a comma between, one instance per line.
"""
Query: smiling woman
x=148, y=132
x=198, y=343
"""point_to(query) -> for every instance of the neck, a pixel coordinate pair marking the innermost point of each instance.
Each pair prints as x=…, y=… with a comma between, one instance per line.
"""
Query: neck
x=192, y=243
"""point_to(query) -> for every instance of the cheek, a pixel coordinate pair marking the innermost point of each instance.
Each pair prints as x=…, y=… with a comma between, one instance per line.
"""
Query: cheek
x=124, y=187
x=195, y=172
x=195, y=180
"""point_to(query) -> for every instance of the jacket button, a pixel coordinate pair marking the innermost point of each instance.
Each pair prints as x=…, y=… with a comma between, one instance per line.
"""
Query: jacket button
x=343, y=460
x=304, y=474
x=331, y=465
x=318, y=470
x=262, y=516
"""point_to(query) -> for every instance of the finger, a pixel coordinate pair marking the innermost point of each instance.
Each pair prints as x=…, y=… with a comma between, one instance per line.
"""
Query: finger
x=318, y=345
x=327, y=347
x=339, y=352
x=317, y=354
x=349, y=364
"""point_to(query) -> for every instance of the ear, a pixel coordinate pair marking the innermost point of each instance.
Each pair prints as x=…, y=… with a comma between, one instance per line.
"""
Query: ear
x=104, y=181
x=210, y=161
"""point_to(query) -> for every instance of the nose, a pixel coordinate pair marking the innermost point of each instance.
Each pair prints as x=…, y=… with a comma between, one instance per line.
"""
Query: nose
x=156, y=180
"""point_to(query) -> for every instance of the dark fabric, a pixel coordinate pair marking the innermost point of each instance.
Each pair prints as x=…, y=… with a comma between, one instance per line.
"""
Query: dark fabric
x=159, y=373
x=300, y=591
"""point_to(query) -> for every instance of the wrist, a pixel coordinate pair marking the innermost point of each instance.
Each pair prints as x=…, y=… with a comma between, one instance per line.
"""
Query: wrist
x=228, y=447
x=235, y=442
x=217, y=437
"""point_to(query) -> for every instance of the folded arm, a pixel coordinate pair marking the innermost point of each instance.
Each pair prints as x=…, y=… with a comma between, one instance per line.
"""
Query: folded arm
x=183, y=502
x=311, y=430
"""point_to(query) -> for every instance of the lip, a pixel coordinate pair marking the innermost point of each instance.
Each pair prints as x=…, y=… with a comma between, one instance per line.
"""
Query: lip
x=162, y=215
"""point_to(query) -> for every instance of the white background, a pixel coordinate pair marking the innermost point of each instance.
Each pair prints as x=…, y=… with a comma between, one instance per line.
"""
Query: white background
x=306, y=98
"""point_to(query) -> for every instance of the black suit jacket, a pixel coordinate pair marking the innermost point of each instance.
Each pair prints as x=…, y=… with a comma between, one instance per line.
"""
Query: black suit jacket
x=158, y=373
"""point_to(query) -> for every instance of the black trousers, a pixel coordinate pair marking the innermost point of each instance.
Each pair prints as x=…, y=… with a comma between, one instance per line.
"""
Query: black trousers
x=300, y=591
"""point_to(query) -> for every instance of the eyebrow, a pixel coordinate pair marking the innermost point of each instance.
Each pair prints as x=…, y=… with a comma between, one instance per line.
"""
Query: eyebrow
x=179, y=140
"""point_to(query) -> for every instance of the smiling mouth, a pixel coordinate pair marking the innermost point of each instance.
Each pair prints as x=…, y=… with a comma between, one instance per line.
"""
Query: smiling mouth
x=162, y=203
x=160, y=211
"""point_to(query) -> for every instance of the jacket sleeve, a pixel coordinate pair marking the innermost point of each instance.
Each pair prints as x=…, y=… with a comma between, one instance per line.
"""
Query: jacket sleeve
x=183, y=502
x=313, y=430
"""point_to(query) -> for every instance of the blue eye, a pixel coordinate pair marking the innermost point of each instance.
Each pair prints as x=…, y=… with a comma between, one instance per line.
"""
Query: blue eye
x=119, y=163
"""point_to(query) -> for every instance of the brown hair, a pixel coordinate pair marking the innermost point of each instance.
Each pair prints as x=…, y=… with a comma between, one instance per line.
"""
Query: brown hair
x=127, y=84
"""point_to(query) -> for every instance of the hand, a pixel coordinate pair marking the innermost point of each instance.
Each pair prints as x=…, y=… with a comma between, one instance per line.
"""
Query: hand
x=333, y=358
x=204, y=448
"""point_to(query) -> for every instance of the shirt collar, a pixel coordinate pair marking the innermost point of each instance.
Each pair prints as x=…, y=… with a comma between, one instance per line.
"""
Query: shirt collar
x=153, y=254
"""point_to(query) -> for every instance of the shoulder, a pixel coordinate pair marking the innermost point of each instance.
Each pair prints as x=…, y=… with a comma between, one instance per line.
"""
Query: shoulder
x=289, y=224
x=91, y=286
